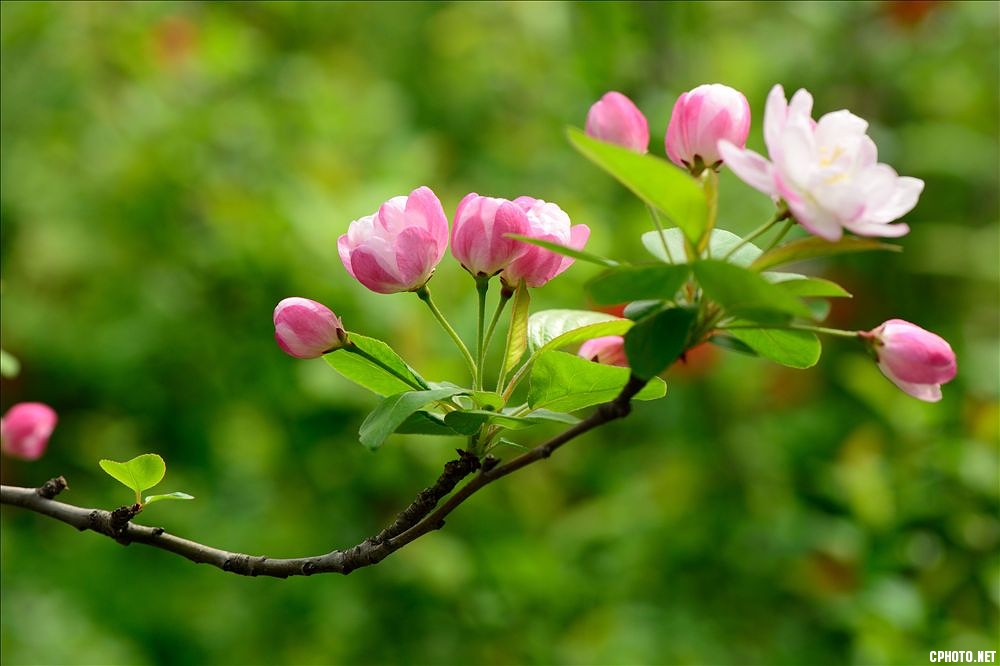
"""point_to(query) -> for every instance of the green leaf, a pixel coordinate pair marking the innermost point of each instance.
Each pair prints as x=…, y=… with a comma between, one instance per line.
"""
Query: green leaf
x=741, y=292
x=732, y=344
x=469, y=422
x=139, y=473
x=813, y=246
x=636, y=310
x=168, y=496
x=369, y=374
x=425, y=423
x=802, y=285
x=658, y=340
x=654, y=180
x=550, y=326
x=579, y=335
x=10, y=367
x=563, y=382
x=796, y=349
x=720, y=244
x=393, y=411
x=517, y=334
x=633, y=283
x=582, y=255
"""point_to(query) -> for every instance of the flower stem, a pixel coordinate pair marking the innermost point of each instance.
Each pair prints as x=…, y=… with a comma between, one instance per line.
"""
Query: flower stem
x=836, y=332
x=505, y=296
x=659, y=230
x=789, y=222
x=482, y=287
x=424, y=294
x=779, y=215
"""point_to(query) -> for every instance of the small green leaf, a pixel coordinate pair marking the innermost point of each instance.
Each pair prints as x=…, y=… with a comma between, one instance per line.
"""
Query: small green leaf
x=732, y=344
x=517, y=334
x=393, y=411
x=813, y=246
x=658, y=340
x=721, y=243
x=469, y=422
x=636, y=310
x=139, y=473
x=795, y=349
x=802, y=285
x=168, y=496
x=425, y=423
x=741, y=292
x=633, y=283
x=563, y=382
x=369, y=374
x=549, y=326
x=654, y=180
x=582, y=255
x=10, y=367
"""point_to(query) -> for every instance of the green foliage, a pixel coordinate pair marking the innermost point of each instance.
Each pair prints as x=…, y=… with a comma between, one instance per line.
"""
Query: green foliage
x=744, y=293
x=633, y=283
x=139, y=474
x=373, y=364
x=563, y=382
x=813, y=247
x=658, y=340
x=654, y=180
x=10, y=367
x=721, y=243
x=795, y=349
x=517, y=334
x=394, y=410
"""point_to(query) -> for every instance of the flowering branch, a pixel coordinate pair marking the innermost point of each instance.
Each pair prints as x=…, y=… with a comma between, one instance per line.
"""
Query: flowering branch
x=422, y=515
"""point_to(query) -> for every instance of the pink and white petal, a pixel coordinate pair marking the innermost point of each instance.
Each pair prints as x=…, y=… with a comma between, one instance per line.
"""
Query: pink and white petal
x=814, y=219
x=390, y=218
x=903, y=197
x=424, y=210
x=578, y=236
x=775, y=113
x=416, y=256
x=878, y=229
x=344, y=250
x=752, y=168
x=925, y=392
x=371, y=272
x=798, y=160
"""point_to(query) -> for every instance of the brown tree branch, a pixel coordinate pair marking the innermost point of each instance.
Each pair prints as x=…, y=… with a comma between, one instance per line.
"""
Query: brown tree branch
x=416, y=520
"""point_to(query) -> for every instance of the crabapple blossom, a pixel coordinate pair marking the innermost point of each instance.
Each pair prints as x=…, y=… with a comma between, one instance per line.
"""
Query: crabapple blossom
x=915, y=360
x=479, y=236
x=307, y=329
x=615, y=119
x=548, y=222
x=700, y=119
x=398, y=247
x=827, y=171
x=25, y=430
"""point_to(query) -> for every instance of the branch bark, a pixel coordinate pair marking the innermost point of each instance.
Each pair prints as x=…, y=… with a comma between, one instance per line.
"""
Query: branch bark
x=423, y=515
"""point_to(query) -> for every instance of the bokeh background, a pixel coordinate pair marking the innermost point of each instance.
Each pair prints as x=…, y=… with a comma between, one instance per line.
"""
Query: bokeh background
x=171, y=170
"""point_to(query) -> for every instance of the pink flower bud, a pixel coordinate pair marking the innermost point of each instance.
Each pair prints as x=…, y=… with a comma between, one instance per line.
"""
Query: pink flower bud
x=915, y=360
x=478, y=237
x=701, y=118
x=25, y=430
x=546, y=221
x=609, y=350
x=307, y=329
x=615, y=119
x=396, y=248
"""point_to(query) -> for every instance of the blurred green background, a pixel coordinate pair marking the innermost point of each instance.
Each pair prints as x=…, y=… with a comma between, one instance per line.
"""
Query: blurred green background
x=171, y=170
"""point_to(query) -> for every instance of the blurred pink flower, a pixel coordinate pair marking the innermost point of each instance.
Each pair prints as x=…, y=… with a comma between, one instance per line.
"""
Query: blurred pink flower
x=397, y=248
x=701, y=118
x=25, y=430
x=915, y=360
x=609, y=350
x=827, y=171
x=478, y=236
x=615, y=119
x=546, y=221
x=307, y=329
